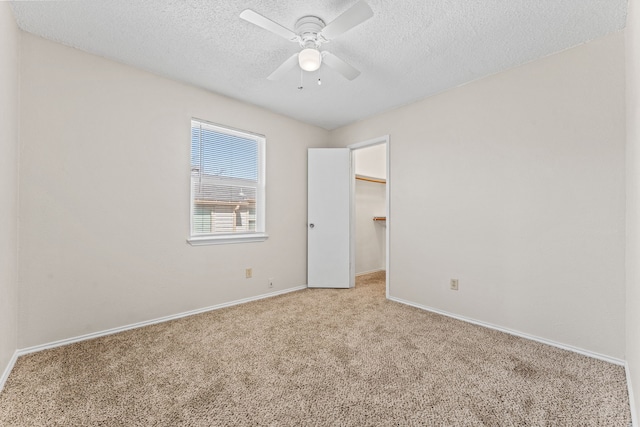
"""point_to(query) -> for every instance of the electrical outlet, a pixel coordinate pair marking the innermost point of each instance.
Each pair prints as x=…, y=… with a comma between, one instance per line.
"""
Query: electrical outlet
x=453, y=284
x=271, y=283
x=248, y=273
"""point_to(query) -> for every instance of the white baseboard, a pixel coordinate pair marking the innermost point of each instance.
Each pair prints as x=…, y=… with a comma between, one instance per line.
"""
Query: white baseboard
x=599, y=356
x=8, y=369
x=632, y=402
x=369, y=272
x=85, y=337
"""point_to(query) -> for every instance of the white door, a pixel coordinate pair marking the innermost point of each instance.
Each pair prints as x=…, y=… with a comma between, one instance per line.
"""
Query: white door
x=329, y=218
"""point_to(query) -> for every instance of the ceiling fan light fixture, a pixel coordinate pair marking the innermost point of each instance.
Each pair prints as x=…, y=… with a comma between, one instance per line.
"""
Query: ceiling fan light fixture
x=309, y=59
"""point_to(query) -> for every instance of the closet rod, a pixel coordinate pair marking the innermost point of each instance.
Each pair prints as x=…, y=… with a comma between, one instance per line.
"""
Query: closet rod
x=366, y=178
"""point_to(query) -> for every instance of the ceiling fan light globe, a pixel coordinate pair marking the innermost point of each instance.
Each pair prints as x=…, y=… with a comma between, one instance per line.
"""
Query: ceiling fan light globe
x=309, y=59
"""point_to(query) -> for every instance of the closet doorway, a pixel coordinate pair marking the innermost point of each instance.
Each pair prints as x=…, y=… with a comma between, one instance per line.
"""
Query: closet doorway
x=370, y=207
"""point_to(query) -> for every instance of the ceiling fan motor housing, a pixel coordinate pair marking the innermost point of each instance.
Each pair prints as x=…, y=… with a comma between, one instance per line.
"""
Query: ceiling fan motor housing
x=308, y=29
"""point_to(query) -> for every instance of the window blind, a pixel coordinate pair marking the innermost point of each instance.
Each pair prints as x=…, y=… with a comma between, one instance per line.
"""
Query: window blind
x=226, y=184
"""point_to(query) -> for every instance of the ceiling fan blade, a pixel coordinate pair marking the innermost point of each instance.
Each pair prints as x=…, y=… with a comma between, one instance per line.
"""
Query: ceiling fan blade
x=266, y=23
x=339, y=65
x=283, y=69
x=357, y=14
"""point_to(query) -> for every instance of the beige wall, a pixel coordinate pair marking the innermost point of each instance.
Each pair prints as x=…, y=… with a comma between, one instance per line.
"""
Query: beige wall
x=9, y=124
x=633, y=197
x=514, y=184
x=104, y=197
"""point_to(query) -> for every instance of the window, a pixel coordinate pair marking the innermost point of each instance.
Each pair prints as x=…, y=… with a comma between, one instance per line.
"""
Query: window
x=227, y=185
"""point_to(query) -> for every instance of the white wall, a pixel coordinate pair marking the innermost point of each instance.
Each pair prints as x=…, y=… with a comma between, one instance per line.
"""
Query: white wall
x=9, y=125
x=517, y=184
x=371, y=161
x=370, y=201
x=633, y=198
x=104, y=197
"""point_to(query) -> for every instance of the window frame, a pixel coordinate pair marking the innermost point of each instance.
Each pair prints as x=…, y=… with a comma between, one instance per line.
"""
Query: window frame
x=259, y=235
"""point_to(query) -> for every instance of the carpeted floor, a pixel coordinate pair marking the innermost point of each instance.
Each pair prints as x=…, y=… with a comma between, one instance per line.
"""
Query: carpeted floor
x=314, y=357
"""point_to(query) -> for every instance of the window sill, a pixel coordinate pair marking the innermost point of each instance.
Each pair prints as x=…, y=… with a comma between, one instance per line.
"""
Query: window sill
x=227, y=239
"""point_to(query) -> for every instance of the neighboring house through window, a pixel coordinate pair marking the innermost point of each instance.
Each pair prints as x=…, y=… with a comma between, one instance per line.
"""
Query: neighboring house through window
x=227, y=185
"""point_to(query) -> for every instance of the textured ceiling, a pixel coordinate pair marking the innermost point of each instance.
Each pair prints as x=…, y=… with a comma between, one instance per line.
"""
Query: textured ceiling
x=408, y=50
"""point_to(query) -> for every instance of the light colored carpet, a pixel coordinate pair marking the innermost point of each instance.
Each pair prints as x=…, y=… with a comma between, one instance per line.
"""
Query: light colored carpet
x=314, y=357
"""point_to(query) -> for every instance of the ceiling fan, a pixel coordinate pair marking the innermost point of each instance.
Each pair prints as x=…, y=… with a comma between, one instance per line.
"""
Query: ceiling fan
x=310, y=33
